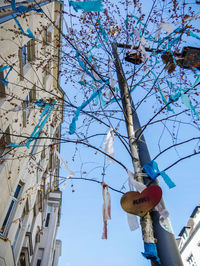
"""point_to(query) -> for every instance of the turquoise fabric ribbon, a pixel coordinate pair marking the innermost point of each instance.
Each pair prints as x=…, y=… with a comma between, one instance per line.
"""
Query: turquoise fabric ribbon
x=43, y=119
x=29, y=32
x=151, y=168
x=3, y=80
x=150, y=252
x=72, y=127
x=184, y=97
x=82, y=65
x=87, y=6
x=102, y=30
x=23, y=9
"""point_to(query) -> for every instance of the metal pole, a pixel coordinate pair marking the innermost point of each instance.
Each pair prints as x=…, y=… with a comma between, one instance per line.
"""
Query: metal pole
x=166, y=244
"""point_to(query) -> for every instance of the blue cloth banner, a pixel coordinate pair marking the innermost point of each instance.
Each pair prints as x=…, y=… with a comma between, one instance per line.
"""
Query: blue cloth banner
x=43, y=119
x=175, y=97
x=82, y=65
x=161, y=93
x=23, y=9
x=29, y=32
x=72, y=127
x=3, y=80
x=102, y=30
x=185, y=99
x=151, y=168
x=87, y=6
x=150, y=252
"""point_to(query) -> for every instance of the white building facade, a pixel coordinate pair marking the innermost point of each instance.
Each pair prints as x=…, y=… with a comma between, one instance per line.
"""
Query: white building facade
x=31, y=113
x=189, y=240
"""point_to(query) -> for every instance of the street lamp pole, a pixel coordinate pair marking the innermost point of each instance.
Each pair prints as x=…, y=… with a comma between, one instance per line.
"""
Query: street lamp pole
x=166, y=244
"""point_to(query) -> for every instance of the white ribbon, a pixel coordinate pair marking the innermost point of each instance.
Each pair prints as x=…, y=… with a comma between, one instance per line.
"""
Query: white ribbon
x=108, y=145
x=132, y=219
x=106, y=210
x=64, y=163
x=133, y=183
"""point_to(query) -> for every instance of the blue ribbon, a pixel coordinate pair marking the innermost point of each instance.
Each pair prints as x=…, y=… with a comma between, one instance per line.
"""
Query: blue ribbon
x=82, y=65
x=150, y=252
x=23, y=9
x=72, y=127
x=43, y=119
x=3, y=80
x=185, y=99
x=87, y=6
x=151, y=168
x=161, y=93
x=102, y=30
x=29, y=32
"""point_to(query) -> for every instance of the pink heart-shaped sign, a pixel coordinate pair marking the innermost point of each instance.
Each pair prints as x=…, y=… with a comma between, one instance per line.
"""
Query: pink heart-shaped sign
x=140, y=203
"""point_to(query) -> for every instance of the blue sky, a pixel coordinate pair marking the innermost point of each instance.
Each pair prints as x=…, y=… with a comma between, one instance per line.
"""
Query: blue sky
x=81, y=215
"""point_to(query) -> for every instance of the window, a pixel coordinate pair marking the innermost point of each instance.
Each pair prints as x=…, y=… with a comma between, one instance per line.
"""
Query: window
x=185, y=234
x=2, y=85
x=30, y=98
x=39, y=262
x=47, y=219
x=11, y=209
x=27, y=55
x=47, y=36
x=28, y=52
x=40, y=256
x=47, y=72
x=4, y=140
x=191, y=260
x=38, y=203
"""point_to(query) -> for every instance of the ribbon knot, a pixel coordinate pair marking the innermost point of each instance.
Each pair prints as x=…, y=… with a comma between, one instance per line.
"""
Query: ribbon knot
x=151, y=168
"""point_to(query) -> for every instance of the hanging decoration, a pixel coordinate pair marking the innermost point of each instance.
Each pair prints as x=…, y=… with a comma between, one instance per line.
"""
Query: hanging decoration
x=101, y=30
x=108, y=145
x=184, y=97
x=141, y=203
x=29, y=32
x=72, y=127
x=64, y=163
x=87, y=6
x=3, y=80
x=106, y=209
x=43, y=119
x=151, y=168
x=132, y=219
x=150, y=252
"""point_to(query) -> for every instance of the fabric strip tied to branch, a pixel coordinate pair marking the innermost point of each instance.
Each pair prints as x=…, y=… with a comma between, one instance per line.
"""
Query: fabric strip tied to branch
x=108, y=145
x=72, y=127
x=151, y=168
x=64, y=163
x=106, y=209
x=40, y=125
x=87, y=6
x=3, y=80
x=29, y=32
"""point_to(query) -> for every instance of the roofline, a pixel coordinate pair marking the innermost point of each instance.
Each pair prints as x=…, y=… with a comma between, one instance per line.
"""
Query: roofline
x=183, y=229
x=8, y=16
x=195, y=211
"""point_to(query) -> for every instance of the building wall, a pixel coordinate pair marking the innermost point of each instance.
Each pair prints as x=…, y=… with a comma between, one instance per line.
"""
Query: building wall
x=189, y=240
x=31, y=79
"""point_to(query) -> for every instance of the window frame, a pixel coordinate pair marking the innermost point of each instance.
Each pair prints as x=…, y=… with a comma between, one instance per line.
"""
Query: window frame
x=27, y=55
x=11, y=209
x=29, y=99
